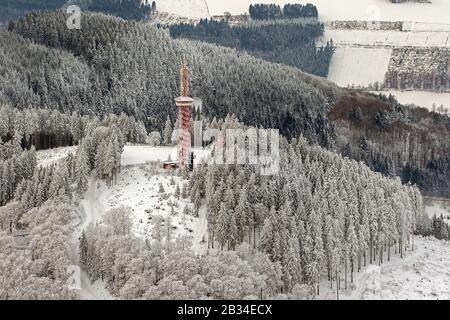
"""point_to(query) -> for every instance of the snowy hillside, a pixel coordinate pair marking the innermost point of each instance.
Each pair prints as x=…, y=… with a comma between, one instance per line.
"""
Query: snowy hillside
x=421, y=98
x=138, y=187
x=366, y=10
x=183, y=8
x=380, y=10
x=359, y=66
x=424, y=275
x=369, y=38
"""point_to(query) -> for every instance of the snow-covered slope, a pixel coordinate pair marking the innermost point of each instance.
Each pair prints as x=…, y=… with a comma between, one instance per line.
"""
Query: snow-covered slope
x=421, y=98
x=359, y=66
x=424, y=275
x=369, y=38
x=138, y=187
x=184, y=8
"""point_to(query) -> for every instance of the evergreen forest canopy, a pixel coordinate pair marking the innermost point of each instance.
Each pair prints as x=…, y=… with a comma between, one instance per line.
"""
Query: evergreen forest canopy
x=126, y=9
x=289, y=11
x=94, y=72
x=290, y=43
x=102, y=75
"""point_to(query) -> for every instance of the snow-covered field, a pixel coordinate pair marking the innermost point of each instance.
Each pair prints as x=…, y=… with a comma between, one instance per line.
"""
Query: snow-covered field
x=365, y=10
x=379, y=10
x=372, y=38
x=421, y=98
x=349, y=66
x=184, y=8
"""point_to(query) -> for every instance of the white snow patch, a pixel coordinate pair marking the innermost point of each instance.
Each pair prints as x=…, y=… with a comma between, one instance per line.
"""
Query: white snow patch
x=183, y=8
x=371, y=38
x=366, y=10
x=423, y=99
x=359, y=66
x=48, y=157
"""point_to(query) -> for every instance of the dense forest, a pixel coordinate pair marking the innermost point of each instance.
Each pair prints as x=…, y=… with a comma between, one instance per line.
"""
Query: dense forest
x=101, y=75
x=143, y=82
x=289, y=11
x=393, y=139
x=322, y=214
x=126, y=9
x=289, y=43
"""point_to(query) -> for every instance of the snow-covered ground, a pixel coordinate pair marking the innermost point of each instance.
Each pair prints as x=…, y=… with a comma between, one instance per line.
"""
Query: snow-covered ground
x=423, y=274
x=365, y=10
x=420, y=98
x=138, y=187
x=349, y=66
x=137, y=154
x=51, y=156
x=379, y=10
x=377, y=38
x=184, y=8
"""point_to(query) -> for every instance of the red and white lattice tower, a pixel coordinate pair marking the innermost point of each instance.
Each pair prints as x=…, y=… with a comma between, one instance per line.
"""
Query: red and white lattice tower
x=184, y=104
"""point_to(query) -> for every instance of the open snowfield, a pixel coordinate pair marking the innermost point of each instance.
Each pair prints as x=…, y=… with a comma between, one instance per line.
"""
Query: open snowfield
x=184, y=8
x=421, y=98
x=379, y=10
x=349, y=66
x=366, y=10
x=372, y=38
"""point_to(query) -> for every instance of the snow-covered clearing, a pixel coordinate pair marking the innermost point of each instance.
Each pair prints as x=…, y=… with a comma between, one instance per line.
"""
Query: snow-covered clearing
x=421, y=98
x=139, y=154
x=184, y=8
x=359, y=66
x=51, y=156
x=138, y=187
